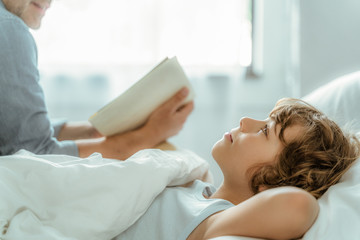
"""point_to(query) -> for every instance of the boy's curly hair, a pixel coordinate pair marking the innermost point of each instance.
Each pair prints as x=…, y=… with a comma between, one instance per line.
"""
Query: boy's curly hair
x=313, y=161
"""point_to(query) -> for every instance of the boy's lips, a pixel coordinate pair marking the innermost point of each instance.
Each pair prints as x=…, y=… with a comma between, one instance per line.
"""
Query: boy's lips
x=229, y=136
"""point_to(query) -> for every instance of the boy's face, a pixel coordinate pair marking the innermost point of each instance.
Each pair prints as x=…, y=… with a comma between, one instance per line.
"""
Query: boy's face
x=30, y=11
x=253, y=142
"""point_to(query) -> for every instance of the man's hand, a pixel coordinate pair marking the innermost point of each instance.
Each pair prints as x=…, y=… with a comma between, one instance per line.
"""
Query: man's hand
x=168, y=119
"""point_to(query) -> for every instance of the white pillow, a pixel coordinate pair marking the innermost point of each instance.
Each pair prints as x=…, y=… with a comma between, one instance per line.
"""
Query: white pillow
x=339, y=100
x=339, y=215
x=339, y=206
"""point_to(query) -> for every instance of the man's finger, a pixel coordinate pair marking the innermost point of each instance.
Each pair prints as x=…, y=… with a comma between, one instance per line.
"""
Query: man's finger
x=186, y=109
x=177, y=100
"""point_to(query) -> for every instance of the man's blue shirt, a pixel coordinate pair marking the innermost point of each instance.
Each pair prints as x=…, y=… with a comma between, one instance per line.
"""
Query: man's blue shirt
x=24, y=121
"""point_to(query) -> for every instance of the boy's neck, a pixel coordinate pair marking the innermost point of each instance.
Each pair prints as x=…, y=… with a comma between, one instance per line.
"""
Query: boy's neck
x=233, y=194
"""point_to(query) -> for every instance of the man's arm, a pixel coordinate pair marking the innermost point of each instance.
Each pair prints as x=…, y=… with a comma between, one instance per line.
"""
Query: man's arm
x=77, y=130
x=279, y=213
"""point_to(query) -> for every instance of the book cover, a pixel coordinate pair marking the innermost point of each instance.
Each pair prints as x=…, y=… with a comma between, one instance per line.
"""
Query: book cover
x=132, y=108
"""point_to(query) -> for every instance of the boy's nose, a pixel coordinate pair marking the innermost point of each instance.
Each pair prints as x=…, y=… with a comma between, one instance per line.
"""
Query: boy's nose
x=250, y=125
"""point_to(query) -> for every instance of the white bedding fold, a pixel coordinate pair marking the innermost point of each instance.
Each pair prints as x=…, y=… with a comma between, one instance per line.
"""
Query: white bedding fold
x=61, y=197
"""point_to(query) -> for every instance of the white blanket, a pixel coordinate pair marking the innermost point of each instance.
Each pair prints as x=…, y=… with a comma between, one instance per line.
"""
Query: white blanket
x=60, y=197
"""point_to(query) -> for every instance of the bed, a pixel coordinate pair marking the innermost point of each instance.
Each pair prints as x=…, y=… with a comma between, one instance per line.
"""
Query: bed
x=34, y=206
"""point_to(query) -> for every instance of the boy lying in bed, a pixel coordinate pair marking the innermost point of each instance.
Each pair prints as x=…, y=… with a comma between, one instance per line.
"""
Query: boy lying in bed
x=274, y=170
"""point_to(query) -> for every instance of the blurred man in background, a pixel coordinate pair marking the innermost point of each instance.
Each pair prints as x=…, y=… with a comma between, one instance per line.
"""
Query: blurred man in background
x=24, y=121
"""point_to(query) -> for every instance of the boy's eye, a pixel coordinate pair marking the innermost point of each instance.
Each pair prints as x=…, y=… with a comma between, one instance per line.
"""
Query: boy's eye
x=265, y=130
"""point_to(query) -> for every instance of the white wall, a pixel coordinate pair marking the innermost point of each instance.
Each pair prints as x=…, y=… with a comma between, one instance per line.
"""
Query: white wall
x=330, y=39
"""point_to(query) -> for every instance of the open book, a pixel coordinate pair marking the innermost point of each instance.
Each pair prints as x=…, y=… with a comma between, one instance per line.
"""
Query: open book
x=132, y=108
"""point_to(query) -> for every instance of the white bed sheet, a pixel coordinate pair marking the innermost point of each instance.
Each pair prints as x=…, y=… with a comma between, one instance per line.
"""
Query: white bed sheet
x=61, y=197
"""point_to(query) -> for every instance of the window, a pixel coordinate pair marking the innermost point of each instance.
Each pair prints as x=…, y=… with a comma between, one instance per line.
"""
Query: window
x=213, y=33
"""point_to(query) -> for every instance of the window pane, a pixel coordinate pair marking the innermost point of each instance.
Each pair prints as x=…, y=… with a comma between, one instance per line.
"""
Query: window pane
x=142, y=32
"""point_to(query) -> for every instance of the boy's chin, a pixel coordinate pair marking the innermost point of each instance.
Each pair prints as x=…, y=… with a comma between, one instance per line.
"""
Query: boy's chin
x=215, y=151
